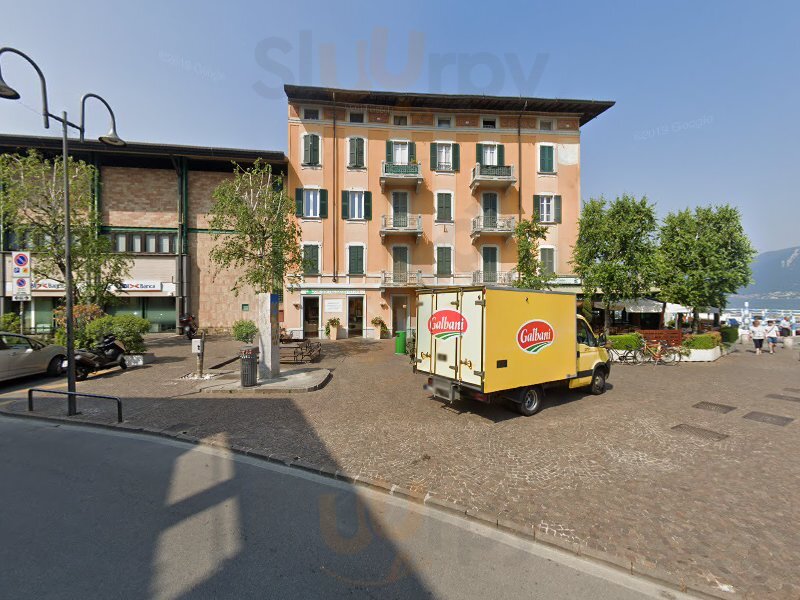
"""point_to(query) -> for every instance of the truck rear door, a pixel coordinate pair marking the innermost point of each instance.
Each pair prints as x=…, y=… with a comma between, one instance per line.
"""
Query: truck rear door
x=424, y=347
x=444, y=327
x=471, y=341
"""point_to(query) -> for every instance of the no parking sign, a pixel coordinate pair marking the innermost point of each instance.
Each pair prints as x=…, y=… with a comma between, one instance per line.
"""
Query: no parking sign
x=21, y=276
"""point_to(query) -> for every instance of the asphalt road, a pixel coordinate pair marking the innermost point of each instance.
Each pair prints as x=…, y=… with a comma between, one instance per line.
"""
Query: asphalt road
x=89, y=513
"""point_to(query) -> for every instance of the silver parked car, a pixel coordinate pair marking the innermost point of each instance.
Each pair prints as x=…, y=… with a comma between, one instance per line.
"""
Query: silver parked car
x=21, y=355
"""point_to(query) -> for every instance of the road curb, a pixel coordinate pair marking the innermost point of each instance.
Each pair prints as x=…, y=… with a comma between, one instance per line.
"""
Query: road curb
x=631, y=565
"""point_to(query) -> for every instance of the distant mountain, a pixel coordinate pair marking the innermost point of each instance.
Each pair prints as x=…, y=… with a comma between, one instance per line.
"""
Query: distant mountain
x=776, y=281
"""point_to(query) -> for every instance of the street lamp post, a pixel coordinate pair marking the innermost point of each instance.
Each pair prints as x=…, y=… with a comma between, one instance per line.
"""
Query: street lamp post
x=111, y=139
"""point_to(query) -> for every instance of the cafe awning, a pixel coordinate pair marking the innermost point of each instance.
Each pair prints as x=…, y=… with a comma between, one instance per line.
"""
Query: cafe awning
x=636, y=305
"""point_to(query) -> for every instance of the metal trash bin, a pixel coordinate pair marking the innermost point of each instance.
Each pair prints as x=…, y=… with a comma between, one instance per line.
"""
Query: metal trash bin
x=248, y=361
x=400, y=343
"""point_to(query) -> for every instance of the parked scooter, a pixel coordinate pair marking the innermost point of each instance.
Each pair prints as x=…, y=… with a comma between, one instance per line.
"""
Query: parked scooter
x=188, y=325
x=109, y=353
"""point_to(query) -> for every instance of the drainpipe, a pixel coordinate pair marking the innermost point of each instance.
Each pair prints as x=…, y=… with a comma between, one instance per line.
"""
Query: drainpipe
x=179, y=166
x=519, y=160
x=183, y=240
x=335, y=197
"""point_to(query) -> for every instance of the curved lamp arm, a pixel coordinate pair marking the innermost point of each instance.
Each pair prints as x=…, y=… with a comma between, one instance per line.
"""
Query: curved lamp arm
x=111, y=138
x=7, y=91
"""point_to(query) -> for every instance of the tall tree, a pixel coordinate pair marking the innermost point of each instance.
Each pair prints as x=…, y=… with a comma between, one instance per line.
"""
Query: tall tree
x=615, y=253
x=528, y=235
x=255, y=228
x=33, y=210
x=704, y=256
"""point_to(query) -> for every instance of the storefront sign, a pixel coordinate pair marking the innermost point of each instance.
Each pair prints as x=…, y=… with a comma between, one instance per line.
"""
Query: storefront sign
x=334, y=306
x=48, y=285
x=329, y=292
x=141, y=286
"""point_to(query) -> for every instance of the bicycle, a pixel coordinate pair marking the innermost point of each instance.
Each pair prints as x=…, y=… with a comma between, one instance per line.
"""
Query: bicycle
x=623, y=356
x=659, y=353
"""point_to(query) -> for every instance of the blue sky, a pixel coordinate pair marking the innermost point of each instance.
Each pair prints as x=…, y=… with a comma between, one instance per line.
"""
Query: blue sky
x=707, y=92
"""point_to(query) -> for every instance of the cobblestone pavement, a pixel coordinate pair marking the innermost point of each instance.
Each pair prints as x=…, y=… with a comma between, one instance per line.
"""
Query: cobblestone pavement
x=608, y=472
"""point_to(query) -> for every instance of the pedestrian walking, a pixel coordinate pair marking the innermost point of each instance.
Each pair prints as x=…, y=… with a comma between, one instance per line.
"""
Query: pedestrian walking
x=758, y=332
x=772, y=334
x=785, y=327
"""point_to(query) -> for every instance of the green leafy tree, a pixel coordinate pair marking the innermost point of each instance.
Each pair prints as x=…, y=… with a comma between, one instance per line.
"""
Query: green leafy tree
x=615, y=253
x=33, y=210
x=255, y=228
x=528, y=235
x=704, y=256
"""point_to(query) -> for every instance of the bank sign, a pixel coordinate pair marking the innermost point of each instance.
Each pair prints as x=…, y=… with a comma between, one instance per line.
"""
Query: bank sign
x=446, y=324
x=535, y=336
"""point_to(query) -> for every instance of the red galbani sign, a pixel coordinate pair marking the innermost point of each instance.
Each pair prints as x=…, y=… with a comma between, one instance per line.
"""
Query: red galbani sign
x=535, y=336
x=445, y=324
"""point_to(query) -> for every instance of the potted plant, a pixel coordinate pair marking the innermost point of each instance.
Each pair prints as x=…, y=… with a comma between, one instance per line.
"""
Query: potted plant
x=332, y=328
x=380, y=329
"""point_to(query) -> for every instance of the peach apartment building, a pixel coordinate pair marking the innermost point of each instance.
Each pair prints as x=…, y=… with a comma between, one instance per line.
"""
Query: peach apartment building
x=399, y=191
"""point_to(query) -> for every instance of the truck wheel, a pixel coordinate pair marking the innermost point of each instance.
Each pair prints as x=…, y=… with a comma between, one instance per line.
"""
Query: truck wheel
x=598, y=385
x=531, y=401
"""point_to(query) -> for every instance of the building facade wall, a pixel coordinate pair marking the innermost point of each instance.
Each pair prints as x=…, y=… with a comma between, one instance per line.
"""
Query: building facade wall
x=335, y=234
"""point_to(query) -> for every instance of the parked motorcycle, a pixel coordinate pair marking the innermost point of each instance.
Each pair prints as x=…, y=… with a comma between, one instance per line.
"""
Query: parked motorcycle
x=109, y=353
x=188, y=325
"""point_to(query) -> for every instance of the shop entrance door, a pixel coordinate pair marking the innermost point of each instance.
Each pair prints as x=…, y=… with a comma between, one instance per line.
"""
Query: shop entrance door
x=355, y=316
x=310, y=317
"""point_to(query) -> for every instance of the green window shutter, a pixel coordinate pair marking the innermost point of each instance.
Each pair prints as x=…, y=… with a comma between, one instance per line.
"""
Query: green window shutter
x=368, y=206
x=356, y=266
x=323, y=204
x=298, y=202
x=388, y=151
x=443, y=261
x=479, y=153
x=501, y=155
x=557, y=208
x=345, y=204
x=434, y=157
x=547, y=258
x=546, y=159
x=353, y=152
x=537, y=211
x=444, y=207
x=360, y=151
x=412, y=152
x=456, y=157
x=306, y=149
x=315, y=149
x=311, y=259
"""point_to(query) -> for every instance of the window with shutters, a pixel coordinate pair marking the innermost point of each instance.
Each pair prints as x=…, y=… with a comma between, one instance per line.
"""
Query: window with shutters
x=311, y=149
x=355, y=259
x=357, y=156
x=311, y=264
x=311, y=114
x=444, y=207
x=311, y=204
x=547, y=158
x=356, y=117
x=547, y=257
x=444, y=261
x=400, y=153
x=444, y=157
x=546, y=214
x=355, y=205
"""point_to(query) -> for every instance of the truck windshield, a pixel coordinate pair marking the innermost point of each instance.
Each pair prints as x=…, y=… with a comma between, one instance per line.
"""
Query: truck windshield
x=585, y=335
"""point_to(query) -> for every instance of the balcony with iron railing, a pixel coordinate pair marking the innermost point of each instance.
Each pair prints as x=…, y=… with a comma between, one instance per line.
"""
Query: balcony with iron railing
x=494, y=176
x=492, y=225
x=401, y=224
x=494, y=277
x=401, y=278
x=401, y=174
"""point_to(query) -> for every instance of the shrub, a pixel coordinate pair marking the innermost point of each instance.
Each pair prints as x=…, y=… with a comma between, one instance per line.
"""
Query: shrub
x=82, y=316
x=128, y=329
x=10, y=322
x=730, y=335
x=244, y=330
x=332, y=322
x=703, y=341
x=627, y=341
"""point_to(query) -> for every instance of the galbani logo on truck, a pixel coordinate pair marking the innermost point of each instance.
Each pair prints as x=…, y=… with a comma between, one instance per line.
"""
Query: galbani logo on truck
x=445, y=324
x=535, y=336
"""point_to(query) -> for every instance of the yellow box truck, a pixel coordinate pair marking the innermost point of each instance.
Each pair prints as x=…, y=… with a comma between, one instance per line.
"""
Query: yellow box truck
x=486, y=342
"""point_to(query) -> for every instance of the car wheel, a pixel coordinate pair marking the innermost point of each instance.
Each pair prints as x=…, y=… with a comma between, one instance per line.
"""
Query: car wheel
x=122, y=364
x=531, y=401
x=81, y=373
x=598, y=385
x=54, y=369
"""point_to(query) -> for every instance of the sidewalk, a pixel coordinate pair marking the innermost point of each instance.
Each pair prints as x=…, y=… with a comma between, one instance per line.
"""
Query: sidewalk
x=641, y=474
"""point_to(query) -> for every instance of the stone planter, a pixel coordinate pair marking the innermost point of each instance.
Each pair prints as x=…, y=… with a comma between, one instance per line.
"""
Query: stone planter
x=334, y=334
x=703, y=355
x=139, y=360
